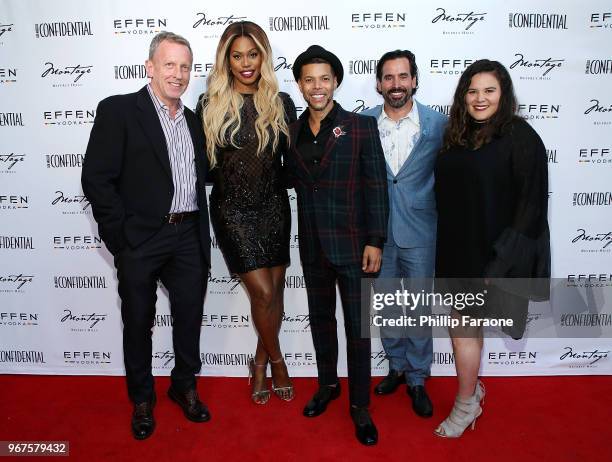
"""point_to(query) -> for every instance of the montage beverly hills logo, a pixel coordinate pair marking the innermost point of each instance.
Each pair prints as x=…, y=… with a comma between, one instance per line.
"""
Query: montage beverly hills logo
x=213, y=25
x=599, y=111
x=535, y=68
x=455, y=23
x=63, y=76
x=10, y=162
x=592, y=241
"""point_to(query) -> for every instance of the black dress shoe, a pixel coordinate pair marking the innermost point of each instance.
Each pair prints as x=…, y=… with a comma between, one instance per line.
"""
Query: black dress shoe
x=192, y=407
x=143, y=422
x=365, y=431
x=421, y=404
x=390, y=383
x=317, y=405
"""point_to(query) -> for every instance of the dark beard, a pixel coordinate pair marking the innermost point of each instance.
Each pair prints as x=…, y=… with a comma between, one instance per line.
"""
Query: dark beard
x=396, y=103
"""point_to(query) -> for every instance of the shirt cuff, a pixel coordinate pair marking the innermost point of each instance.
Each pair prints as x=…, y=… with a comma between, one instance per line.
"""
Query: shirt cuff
x=376, y=241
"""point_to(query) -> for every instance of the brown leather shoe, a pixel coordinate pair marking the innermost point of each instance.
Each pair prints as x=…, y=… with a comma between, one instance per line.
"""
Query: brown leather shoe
x=191, y=405
x=143, y=422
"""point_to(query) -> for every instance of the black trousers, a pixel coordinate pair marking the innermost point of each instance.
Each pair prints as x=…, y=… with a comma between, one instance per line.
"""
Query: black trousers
x=321, y=277
x=173, y=256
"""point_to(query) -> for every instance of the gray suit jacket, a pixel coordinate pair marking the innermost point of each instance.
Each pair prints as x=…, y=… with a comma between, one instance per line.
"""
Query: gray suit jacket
x=412, y=202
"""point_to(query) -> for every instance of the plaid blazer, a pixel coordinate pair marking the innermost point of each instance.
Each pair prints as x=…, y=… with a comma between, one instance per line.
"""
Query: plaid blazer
x=346, y=201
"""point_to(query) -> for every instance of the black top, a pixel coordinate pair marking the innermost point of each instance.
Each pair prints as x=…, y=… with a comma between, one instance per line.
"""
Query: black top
x=312, y=147
x=492, y=209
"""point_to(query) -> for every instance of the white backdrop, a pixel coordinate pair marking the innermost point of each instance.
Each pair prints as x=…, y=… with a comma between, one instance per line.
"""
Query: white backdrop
x=59, y=310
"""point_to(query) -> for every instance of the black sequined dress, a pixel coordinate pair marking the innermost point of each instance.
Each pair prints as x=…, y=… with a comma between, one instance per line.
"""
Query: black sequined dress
x=249, y=206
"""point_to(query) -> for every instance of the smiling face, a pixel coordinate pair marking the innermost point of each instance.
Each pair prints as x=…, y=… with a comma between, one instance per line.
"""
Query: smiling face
x=483, y=95
x=245, y=64
x=317, y=83
x=169, y=70
x=397, y=83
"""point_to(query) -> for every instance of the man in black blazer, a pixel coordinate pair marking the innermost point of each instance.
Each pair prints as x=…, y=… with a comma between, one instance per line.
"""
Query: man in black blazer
x=144, y=173
x=337, y=167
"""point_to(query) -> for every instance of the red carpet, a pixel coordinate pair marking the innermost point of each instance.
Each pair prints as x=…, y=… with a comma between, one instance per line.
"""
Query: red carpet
x=524, y=419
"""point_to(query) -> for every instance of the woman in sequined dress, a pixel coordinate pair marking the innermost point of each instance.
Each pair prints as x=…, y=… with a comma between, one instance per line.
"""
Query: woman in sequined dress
x=245, y=121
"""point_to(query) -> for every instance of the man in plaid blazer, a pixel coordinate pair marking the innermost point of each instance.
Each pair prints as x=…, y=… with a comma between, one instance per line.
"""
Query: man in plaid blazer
x=337, y=167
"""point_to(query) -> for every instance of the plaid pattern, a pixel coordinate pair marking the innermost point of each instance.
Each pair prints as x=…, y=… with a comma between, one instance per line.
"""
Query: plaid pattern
x=321, y=277
x=347, y=201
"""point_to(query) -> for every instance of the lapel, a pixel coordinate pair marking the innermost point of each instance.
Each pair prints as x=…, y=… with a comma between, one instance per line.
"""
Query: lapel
x=341, y=120
x=416, y=149
x=149, y=120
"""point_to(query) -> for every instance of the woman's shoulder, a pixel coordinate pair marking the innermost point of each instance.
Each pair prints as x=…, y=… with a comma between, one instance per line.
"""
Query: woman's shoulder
x=520, y=128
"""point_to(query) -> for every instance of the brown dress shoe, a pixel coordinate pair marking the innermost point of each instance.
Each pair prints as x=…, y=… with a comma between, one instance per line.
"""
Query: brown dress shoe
x=190, y=403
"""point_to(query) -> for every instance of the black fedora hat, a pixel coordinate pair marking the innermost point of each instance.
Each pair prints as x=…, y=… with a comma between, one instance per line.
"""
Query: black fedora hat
x=316, y=51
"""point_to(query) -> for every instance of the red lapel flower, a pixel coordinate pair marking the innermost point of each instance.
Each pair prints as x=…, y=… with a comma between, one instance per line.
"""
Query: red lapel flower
x=338, y=132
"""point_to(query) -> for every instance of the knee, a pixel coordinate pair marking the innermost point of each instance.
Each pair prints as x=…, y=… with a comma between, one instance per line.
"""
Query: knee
x=262, y=296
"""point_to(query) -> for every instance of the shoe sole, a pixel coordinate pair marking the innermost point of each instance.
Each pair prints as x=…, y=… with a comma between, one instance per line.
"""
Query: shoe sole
x=173, y=398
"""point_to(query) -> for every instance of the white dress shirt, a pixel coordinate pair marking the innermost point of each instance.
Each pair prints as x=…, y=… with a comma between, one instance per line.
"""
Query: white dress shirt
x=398, y=138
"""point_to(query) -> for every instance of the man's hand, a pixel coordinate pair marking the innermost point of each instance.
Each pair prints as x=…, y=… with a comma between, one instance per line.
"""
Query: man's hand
x=372, y=256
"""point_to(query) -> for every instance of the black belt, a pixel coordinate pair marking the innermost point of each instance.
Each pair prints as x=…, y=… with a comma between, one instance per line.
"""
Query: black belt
x=176, y=218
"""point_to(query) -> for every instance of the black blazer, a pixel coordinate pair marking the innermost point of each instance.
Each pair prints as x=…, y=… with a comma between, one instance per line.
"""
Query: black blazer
x=346, y=205
x=126, y=172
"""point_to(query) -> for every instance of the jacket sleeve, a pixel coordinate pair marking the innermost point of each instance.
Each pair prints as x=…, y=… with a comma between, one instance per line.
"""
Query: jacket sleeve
x=101, y=173
x=523, y=249
x=374, y=184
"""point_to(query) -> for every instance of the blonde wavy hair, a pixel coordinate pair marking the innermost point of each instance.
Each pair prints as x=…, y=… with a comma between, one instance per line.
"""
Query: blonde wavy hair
x=221, y=111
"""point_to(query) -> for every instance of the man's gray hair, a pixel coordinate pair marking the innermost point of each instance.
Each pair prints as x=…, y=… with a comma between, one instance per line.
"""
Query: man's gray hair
x=169, y=36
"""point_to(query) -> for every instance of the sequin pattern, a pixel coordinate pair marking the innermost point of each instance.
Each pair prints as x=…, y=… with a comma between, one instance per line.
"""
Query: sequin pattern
x=249, y=206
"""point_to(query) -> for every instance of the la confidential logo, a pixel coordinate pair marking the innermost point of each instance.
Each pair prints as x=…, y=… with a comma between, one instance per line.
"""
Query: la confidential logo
x=138, y=26
x=82, y=322
x=594, y=198
x=16, y=243
x=585, y=358
x=225, y=359
x=378, y=20
x=442, y=108
x=457, y=23
x=63, y=29
x=598, y=66
x=297, y=23
x=363, y=66
x=541, y=67
x=443, y=359
x=11, y=119
x=71, y=74
x=64, y=160
x=79, y=282
x=9, y=163
x=551, y=156
x=8, y=75
x=22, y=356
x=537, y=21
x=72, y=202
x=69, y=117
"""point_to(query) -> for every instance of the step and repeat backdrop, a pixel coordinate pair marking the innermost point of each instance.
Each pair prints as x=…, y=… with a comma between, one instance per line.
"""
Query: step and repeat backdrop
x=59, y=309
